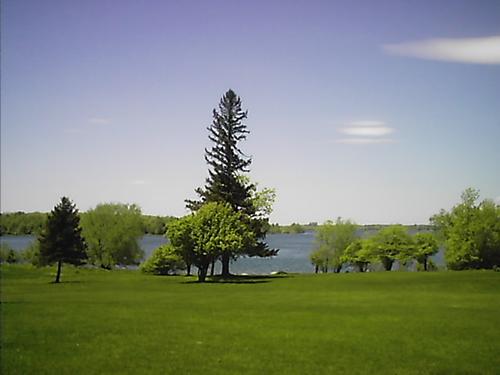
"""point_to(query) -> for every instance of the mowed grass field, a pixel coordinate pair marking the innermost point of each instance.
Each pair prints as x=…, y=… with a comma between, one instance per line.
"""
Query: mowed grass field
x=124, y=322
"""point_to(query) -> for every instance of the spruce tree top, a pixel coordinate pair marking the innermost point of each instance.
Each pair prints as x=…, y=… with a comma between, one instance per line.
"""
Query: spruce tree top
x=225, y=159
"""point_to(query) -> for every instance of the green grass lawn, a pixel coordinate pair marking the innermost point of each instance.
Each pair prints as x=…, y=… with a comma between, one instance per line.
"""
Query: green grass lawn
x=124, y=322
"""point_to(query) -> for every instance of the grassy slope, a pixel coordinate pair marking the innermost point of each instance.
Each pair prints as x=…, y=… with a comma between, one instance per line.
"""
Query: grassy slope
x=123, y=322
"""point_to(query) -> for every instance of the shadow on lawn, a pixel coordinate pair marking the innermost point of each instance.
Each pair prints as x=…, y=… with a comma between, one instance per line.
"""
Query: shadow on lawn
x=239, y=279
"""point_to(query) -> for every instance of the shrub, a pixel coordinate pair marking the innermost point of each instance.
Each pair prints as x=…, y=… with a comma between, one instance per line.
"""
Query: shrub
x=163, y=261
x=32, y=254
x=7, y=254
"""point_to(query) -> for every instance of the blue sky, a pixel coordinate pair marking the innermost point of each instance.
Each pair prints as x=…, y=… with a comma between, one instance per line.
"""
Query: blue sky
x=381, y=112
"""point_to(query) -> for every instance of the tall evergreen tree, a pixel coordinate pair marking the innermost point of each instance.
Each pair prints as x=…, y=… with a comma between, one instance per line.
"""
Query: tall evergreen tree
x=226, y=165
x=61, y=241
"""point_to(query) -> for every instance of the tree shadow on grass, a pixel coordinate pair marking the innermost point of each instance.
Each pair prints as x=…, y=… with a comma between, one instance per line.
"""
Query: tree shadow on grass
x=238, y=279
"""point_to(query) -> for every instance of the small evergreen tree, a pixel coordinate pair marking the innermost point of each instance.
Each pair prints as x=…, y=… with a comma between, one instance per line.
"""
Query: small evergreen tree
x=61, y=241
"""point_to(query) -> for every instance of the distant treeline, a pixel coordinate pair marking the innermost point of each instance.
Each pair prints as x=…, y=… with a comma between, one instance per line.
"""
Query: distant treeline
x=23, y=223
x=19, y=223
x=312, y=227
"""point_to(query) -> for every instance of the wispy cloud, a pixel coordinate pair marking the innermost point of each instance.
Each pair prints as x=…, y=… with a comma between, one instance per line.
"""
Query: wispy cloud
x=484, y=50
x=366, y=132
x=99, y=121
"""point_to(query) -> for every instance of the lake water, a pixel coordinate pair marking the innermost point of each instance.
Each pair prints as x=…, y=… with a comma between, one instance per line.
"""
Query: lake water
x=292, y=257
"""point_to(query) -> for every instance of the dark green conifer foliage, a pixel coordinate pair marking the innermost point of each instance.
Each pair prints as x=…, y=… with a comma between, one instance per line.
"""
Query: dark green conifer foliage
x=61, y=241
x=226, y=161
x=226, y=164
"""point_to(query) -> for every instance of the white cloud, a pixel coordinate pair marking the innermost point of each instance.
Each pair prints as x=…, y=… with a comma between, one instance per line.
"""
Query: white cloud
x=484, y=50
x=367, y=131
x=364, y=141
x=99, y=121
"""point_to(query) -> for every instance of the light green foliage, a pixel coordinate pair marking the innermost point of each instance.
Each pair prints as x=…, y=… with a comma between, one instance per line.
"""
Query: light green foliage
x=331, y=241
x=18, y=223
x=164, y=261
x=391, y=243
x=262, y=200
x=7, y=254
x=215, y=229
x=294, y=228
x=32, y=254
x=156, y=224
x=319, y=259
x=426, y=245
x=111, y=231
x=471, y=233
x=256, y=217
x=358, y=254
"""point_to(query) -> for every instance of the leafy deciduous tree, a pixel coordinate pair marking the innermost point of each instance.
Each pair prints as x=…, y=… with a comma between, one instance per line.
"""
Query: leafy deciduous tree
x=391, y=243
x=426, y=245
x=111, y=231
x=212, y=231
x=471, y=232
x=358, y=254
x=331, y=241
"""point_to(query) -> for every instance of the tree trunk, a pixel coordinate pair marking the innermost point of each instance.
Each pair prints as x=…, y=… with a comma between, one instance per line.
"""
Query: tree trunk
x=425, y=264
x=387, y=263
x=188, y=270
x=316, y=269
x=337, y=270
x=212, y=269
x=225, y=265
x=202, y=272
x=58, y=276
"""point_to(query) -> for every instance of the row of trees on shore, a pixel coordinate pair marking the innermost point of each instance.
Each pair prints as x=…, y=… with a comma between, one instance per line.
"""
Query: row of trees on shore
x=469, y=233
x=338, y=245
x=33, y=223
x=105, y=236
